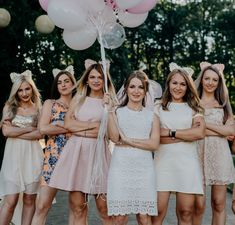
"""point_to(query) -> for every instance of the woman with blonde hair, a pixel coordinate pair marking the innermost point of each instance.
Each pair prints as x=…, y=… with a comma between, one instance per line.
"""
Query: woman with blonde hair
x=52, y=124
x=22, y=162
x=177, y=162
x=217, y=161
x=74, y=171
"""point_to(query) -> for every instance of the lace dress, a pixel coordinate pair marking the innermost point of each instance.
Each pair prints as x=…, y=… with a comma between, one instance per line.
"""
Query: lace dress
x=131, y=179
x=22, y=162
x=177, y=165
x=218, y=163
x=55, y=143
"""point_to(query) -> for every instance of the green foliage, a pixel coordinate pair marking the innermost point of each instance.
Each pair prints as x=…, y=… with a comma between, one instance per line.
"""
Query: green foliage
x=187, y=34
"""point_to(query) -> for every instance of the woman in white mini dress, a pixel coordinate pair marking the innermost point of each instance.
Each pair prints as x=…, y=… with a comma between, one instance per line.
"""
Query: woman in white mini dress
x=177, y=163
x=136, y=132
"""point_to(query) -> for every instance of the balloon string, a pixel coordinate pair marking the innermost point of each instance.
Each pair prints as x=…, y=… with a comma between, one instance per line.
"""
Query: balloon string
x=99, y=24
x=103, y=59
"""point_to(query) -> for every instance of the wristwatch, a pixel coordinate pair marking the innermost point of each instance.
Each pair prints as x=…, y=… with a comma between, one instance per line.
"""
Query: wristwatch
x=173, y=133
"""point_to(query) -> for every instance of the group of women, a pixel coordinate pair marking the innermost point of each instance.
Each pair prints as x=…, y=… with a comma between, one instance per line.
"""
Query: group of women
x=178, y=147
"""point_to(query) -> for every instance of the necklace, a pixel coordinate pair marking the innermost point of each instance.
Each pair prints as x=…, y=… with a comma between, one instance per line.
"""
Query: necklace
x=135, y=109
x=209, y=103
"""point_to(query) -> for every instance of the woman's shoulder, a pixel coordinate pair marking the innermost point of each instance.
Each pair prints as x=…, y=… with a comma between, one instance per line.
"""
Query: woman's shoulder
x=48, y=102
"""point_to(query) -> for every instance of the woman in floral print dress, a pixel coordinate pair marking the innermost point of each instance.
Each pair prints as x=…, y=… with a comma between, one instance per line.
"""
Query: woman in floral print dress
x=51, y=124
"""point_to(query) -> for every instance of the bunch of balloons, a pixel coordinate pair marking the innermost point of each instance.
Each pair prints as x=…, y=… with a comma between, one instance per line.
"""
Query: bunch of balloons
x=84, y=21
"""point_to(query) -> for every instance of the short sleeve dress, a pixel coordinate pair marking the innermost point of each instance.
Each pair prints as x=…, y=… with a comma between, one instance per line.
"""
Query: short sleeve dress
x=131, y=179
x=73, y=171
x=218, y=163
x=55, y=143
x=177, y=165
x=22, y=162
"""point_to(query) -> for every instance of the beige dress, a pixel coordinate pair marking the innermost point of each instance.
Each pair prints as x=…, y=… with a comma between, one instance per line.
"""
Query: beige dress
x=218, y=163
x=22, y=162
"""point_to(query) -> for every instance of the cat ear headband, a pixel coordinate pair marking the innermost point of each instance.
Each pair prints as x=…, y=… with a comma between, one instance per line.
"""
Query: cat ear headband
x=174, y=66
x=17, y=76
x=218, y=66
x=68, y=69
x=90, y=62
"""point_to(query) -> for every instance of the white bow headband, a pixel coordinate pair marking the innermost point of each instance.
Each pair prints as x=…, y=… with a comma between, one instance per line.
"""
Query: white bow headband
x=90, y=62
x=188, y=70
x=68, y=69
x=17, y=76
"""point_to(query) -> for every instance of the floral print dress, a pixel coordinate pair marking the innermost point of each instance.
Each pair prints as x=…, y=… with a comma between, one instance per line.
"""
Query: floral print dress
x=55, y=143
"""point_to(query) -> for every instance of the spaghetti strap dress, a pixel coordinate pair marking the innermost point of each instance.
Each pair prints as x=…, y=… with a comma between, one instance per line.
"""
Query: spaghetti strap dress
x=22, y=162
x=218, y=162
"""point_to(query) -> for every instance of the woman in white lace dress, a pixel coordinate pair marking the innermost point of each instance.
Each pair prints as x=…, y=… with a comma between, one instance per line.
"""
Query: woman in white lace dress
x=23, y=155
x=218, y=165
x=131, y=179
x=177, y=163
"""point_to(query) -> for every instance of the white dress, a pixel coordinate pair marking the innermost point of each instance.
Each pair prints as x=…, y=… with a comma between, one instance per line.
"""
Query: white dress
x=131, y=179
x=22, y=162
x=177, y=165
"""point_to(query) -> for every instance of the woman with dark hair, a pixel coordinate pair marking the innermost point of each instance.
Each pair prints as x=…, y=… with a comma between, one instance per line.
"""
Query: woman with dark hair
x=52, y=124
x=74, y=170
x=22, y=162
x=177, y=162
x=216, y=156
x=136, y=132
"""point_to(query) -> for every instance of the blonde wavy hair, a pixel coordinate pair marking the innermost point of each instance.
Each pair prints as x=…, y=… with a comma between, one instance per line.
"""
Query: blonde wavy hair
x=13, y=101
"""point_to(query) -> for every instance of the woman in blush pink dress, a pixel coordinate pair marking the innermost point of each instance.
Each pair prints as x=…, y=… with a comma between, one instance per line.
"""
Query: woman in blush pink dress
x=74, y=170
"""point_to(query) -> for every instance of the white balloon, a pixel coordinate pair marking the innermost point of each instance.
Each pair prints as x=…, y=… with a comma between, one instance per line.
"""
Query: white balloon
x=44, y=24
x=108, y=15
x=5, y=17
x=126, y=4
x=131, y=20
x=113, y=35
x=94, y=5
x=80, y=39
x=67, y=14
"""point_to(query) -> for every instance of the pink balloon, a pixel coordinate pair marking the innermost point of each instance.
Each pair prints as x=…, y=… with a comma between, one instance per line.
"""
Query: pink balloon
x=143, y=7
x=44, y=4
